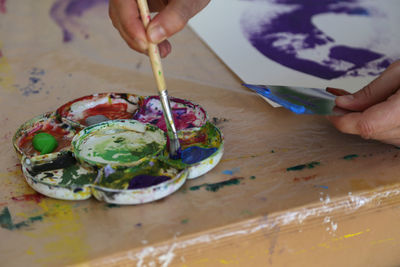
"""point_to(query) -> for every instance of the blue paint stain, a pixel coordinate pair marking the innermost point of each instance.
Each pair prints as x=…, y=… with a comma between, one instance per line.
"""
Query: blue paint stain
x=34, y=79
x=231, y=172
x=35, y=84
x=196, y=154
x=322, y=186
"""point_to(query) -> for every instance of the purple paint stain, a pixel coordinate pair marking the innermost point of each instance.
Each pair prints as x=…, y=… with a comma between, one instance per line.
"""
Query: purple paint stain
x=143, y=181
x=64, y=13
x=3, y=8
x=284, y=36
x=196, y=154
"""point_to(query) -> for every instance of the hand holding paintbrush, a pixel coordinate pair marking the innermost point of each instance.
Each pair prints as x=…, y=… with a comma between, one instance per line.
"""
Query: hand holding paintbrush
x=154, y=55
x=171, y=18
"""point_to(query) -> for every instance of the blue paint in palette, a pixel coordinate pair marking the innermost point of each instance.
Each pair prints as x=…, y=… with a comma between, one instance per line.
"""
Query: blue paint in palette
x=196, y=154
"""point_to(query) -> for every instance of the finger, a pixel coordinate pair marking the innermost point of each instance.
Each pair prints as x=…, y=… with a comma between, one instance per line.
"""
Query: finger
x=390, y=137
x=164, y=48
x=372, y=122
x=157, y=5
x=126, y=18
x=131, y=43
x=376, y=91
x=173, y=18
x=337, y=91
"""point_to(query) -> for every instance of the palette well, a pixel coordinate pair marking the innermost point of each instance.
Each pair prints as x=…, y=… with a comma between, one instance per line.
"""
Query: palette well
x=113, y=146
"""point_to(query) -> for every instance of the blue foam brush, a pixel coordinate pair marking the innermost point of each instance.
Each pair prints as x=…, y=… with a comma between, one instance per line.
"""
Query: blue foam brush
x=300, y=100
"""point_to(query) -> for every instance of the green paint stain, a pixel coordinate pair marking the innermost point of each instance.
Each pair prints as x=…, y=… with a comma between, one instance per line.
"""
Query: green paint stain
x=246, y=212
x=184, y=221
x=272, y=151
x=159, y=72
x=6, y=221
x=309, y=165
x=217, y=186
x=252, y=177
x=351, y=156
x=112, y=206
x=71, y=176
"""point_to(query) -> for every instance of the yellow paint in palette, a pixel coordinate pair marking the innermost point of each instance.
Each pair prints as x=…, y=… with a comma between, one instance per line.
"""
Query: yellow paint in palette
x=63, y=229
x=6, y=74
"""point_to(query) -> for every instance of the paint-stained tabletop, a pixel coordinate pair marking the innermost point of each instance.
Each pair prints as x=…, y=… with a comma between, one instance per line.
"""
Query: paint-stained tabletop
x=289, y=189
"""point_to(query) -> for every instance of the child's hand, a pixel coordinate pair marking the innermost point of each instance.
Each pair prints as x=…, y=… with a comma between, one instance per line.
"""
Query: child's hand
x=172, y=17
x=376, y=109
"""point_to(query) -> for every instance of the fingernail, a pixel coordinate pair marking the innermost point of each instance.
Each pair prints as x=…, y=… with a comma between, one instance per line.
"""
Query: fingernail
x=345, y=99
x=142, y=44
x=157, y=34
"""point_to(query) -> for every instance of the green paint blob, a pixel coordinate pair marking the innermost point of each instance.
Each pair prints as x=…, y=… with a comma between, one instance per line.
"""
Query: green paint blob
x=217, y=186
x=44, y=143
x=252, y=177
x=309, y=165
x=185, y=221
x=351, y=156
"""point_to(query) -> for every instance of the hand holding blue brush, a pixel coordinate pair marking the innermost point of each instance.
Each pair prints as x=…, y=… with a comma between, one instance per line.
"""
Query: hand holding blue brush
x=376, y=109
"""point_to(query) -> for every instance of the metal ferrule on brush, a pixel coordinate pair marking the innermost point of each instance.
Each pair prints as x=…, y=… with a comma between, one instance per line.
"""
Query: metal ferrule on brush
x=174, y=146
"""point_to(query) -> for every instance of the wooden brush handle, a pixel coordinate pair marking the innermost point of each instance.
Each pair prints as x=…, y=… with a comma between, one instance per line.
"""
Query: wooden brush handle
x=153, y=52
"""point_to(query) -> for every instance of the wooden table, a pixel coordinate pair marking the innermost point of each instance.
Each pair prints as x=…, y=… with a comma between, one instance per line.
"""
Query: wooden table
x=290, y=190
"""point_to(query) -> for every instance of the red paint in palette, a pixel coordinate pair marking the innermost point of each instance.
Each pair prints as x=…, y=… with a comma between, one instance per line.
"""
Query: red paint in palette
x=111, y=105
x=62, y=135
x=110, y=110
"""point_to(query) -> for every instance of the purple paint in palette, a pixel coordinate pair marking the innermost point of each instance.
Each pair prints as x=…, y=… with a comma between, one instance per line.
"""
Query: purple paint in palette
x=286, y=37
x=186, y=114
x=143, y=181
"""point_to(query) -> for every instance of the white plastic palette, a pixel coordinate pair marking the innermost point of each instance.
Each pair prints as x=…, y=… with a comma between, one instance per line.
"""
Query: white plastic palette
x=107, y=148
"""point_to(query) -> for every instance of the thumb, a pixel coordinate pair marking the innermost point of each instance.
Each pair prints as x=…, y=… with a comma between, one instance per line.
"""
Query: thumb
x=375, y=92
x=173, y=18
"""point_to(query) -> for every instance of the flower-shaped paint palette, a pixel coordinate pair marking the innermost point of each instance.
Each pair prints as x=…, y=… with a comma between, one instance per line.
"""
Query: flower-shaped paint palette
x=113, y=146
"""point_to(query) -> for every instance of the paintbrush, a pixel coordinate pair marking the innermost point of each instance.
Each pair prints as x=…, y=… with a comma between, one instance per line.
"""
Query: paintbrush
x=154, y=55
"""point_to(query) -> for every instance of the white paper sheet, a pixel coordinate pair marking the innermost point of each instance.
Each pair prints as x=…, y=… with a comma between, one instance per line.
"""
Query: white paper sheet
x=309, y=43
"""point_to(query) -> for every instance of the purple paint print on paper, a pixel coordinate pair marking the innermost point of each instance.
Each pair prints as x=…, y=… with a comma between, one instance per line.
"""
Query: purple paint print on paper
x=291, y=38
x=65, y=13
